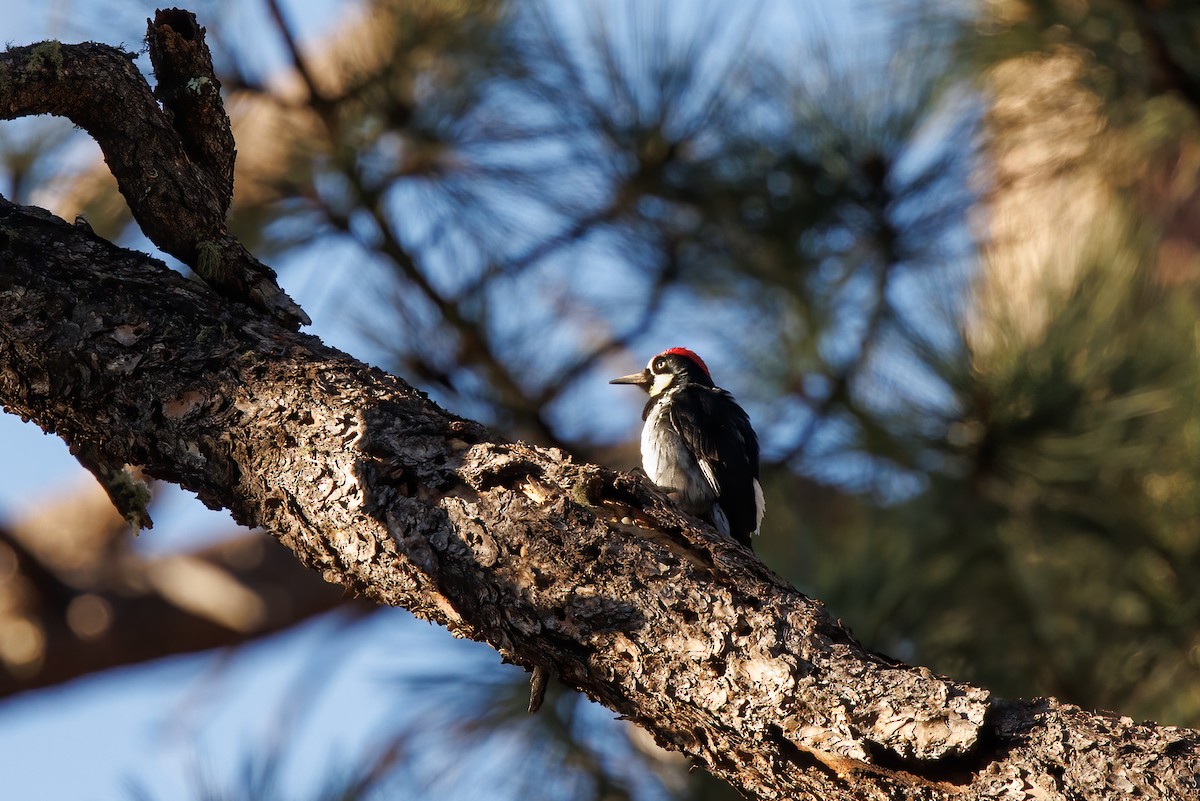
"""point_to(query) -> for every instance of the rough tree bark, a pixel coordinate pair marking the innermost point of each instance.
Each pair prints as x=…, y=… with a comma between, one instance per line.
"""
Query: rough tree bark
x=573, y=568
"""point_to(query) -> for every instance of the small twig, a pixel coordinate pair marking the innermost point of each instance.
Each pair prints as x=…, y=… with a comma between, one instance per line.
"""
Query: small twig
x=128, y=493
x=538, y=681
x=316, y=96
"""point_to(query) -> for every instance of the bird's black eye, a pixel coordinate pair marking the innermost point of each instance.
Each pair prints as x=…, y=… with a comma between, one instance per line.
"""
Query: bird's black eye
x=660, y=364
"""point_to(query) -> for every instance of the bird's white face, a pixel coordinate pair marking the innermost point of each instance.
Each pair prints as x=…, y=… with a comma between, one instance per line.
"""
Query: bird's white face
x=667, y=370
x=661, y=376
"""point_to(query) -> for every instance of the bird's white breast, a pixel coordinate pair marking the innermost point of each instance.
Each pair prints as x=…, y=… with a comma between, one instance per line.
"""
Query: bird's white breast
x=670, y=465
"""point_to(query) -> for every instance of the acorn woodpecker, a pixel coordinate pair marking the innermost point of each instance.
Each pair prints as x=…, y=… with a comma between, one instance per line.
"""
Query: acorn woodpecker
x=698, y=445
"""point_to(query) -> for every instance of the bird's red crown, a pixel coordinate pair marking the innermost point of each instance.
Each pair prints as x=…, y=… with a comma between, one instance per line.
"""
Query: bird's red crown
x=687, y=354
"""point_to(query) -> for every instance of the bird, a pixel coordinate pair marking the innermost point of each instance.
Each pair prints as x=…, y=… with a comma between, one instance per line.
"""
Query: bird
x=698, y=445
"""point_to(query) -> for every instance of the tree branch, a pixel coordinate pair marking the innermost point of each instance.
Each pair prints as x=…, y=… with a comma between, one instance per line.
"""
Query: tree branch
x=587, y=572
x=175, y=175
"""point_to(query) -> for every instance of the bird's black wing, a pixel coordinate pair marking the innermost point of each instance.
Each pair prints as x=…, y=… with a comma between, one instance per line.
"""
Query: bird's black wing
x=717, y=432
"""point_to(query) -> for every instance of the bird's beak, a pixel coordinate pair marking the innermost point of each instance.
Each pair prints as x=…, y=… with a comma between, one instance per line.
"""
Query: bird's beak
x=642, y=379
